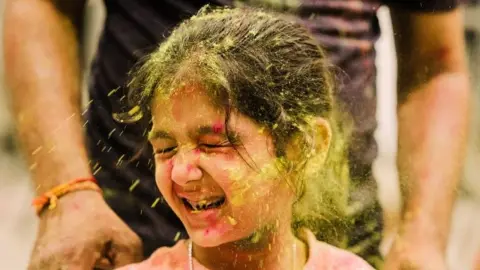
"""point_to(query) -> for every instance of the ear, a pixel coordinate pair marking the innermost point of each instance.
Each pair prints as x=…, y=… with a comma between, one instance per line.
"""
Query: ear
x=322, y=139
x=323, y=135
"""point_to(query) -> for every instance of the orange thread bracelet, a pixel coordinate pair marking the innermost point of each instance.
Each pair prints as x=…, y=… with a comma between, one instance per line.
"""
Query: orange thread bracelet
x=51, y=197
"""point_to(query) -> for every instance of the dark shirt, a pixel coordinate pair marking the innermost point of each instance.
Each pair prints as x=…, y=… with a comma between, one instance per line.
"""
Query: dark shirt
x=347, y=29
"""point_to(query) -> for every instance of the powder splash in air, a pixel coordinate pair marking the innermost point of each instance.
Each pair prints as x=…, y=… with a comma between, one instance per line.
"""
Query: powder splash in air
x=155, y=203
x=134, y=185
x=177, y=236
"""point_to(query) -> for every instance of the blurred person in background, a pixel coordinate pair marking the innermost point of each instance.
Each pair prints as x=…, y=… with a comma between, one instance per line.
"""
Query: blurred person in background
x=62, y=143
x=469, y=190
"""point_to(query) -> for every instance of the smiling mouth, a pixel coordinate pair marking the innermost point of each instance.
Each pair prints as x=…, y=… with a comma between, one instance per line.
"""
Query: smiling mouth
x=204, y=204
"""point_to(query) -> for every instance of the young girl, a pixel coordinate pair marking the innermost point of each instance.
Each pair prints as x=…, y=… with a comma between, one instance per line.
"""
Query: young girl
x=248, y=150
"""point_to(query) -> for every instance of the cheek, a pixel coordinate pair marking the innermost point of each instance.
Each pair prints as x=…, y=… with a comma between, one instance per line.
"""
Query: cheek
x=163, y=170
x=226, y=170
x=256, y=185
x=241, y=186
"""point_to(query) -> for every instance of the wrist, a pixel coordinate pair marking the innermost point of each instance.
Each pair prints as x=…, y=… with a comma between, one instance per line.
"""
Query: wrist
x=45, y=180
x=56, y=164
x=424, y=233
x=55, y=196
x=73, y=203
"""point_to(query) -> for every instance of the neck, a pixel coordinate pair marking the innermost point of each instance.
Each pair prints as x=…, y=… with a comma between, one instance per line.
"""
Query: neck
x=268, y=249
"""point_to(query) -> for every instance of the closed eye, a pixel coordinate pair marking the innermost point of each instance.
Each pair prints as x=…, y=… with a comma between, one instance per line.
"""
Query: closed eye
x=225, y=143
x=165, y=150
x=213, y=145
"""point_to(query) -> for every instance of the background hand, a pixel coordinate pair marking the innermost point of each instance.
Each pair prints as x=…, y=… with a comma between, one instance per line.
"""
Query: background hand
x=82, y=232
x=414, y=254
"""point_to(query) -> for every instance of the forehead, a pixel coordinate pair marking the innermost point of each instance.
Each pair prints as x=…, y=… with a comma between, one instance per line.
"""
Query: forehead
x=190, y=111
x=185, y=106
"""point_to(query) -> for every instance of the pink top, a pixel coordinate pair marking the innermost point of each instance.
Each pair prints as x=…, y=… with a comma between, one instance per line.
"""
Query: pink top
x=321, y=256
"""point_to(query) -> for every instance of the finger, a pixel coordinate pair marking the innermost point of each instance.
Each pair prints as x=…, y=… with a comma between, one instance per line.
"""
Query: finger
x=125, y=257
x=104, y=264
x=64, y=258
x=86, y=261
x=125, y=254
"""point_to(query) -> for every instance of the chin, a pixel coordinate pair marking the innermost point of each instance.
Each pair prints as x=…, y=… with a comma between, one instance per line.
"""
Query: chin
x=206, y=238
x=214, y=237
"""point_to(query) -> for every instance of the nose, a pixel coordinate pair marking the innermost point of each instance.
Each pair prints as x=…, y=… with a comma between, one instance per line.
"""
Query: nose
x=185, y=167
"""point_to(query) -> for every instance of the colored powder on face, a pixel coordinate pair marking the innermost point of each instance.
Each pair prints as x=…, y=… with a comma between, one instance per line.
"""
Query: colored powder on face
x=238, y=188
x=269, y=171
x=217, y=127
x=238, y=198
x=261, y=130
x=235, y=174
x=232, y=221
x=212, y=220
x=256, y=237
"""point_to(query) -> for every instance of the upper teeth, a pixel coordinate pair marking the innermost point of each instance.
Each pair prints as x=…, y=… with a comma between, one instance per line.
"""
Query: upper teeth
x=203, y=203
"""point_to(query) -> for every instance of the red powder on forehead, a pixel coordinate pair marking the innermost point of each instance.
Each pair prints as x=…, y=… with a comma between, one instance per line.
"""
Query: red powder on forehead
x=196, y=151
x=217, y=127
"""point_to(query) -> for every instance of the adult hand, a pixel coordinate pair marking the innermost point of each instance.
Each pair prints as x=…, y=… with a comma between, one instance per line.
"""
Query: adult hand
x=82, y=232
x=414, y=253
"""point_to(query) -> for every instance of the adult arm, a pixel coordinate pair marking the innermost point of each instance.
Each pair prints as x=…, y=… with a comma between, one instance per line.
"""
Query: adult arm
x=43, y=74
x=433, y=111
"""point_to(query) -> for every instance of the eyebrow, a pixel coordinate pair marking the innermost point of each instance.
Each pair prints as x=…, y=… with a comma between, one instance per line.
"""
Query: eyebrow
x=206, y=130
x=200, y=131
x=159, y=134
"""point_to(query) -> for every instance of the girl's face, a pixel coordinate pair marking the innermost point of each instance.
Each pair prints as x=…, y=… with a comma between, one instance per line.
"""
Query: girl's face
x=209, y=184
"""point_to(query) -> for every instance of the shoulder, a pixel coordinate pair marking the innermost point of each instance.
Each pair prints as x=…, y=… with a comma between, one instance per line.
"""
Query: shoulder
x=325, y=256
x=343, y=259
x=163, y=258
